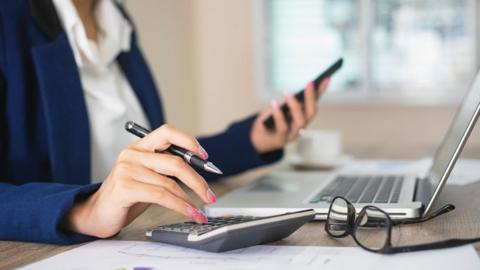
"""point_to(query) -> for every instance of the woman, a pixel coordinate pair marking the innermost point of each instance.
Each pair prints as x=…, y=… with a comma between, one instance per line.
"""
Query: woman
x=71, y=75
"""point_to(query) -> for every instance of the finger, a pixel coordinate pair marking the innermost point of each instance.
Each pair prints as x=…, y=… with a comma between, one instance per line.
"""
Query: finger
x=310, y=101
x=265, y=114
x=323, y=86
x=147, y=193
x=281, y=126
x=166, y=135
x=296, y=110
x=142, y=174
x=171, y=165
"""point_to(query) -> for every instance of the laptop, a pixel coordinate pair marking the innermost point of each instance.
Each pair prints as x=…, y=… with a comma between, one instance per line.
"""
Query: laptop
x=402, y=196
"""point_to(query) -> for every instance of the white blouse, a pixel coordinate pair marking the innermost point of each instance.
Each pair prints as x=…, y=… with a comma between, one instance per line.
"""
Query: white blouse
x=109, y=97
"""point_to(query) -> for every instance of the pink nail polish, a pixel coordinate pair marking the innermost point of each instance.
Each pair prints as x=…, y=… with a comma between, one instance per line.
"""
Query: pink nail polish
x=327, y=81
x=201, y=219
x=310, y=85
x=203, y=153
x=211, y=196
x=288, y=95
x=275, y=105
x=324, y=85
x=197, y=215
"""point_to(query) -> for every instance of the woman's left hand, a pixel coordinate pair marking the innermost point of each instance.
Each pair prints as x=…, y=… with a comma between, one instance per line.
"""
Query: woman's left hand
x=265, y=140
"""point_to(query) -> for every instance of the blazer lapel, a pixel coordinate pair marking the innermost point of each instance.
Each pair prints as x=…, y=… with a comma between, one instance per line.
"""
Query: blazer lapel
x=65, y=111
x=140, y=79
x=44, y=14
x=62, y=95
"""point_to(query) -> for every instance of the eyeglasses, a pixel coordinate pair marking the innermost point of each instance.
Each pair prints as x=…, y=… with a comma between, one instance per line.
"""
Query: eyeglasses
x=372, y=227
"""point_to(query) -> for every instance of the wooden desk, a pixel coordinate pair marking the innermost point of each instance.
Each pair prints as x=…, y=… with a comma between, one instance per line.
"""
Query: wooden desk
x=463, y=222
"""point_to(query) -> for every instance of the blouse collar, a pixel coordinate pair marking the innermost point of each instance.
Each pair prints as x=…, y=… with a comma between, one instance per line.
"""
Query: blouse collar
x=114, y=33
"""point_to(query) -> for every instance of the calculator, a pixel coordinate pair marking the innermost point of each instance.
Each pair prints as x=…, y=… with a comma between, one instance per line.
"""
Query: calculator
x=231, y=232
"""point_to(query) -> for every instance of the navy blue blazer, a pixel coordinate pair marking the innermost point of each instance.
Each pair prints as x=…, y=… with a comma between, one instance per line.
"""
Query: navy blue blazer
x=44, y=128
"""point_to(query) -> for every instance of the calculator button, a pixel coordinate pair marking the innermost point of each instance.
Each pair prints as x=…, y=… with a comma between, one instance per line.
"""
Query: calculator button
x=213, y=224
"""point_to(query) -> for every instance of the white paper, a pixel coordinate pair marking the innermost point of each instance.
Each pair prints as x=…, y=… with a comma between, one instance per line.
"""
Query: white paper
x=136, y=255
x=464, y=172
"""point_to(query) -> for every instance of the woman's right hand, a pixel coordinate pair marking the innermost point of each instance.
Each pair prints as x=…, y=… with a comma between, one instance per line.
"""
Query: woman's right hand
x=140, y=178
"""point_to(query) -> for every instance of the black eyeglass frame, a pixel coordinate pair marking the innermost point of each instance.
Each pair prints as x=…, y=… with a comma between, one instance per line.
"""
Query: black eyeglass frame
x=353, y=222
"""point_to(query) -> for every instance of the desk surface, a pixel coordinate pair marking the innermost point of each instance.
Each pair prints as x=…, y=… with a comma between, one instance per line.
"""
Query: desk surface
x=463, y=222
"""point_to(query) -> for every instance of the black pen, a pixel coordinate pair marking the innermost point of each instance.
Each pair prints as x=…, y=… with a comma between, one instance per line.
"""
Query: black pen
x=188, y=156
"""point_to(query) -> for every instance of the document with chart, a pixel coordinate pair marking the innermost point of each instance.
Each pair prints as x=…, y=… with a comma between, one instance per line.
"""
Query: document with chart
x=135, y=255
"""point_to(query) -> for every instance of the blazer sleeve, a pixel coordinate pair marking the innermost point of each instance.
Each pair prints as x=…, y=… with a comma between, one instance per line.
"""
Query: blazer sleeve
x=33, y=212
x=232, y=150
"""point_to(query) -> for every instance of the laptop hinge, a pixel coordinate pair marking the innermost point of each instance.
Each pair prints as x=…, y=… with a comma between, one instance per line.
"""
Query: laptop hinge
x=423, y=191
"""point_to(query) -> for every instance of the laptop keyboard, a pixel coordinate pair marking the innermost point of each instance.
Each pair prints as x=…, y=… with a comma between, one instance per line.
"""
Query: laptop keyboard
x=362, y=189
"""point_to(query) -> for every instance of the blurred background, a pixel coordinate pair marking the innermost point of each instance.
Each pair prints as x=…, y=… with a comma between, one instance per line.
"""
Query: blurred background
x=407, y=64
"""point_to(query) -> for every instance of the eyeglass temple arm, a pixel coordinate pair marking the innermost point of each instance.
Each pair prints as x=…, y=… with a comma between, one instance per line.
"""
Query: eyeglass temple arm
x=443, y=210
x=436, y=245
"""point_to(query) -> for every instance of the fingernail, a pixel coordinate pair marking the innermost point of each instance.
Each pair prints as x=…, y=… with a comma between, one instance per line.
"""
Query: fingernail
x=288, y=95
x=324, y=85
x=203, y=153
x=327, y=81
x=275, y=105
x=310, y=85
x=197, y=215
x=211, y=196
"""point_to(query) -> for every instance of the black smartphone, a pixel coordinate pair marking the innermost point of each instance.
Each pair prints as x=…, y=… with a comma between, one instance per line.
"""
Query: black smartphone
x=270, y=124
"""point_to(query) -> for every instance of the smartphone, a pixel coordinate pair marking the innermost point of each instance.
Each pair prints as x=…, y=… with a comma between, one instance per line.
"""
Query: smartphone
x=269, y=122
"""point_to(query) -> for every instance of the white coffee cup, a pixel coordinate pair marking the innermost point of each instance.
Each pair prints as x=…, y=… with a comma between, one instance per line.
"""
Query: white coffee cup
x=319, y=145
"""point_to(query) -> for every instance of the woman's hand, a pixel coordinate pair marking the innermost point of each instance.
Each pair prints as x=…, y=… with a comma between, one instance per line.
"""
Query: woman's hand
x=138, y=179
x=265, y=140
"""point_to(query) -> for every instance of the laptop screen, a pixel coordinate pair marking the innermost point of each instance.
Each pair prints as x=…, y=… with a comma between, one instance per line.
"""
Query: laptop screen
x=454, y=140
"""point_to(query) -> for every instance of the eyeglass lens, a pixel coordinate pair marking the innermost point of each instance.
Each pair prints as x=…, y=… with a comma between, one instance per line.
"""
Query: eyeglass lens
x=337, y=222
x=371, y=228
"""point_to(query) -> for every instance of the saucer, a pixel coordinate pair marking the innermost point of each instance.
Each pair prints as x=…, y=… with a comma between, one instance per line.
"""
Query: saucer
x=319, y=164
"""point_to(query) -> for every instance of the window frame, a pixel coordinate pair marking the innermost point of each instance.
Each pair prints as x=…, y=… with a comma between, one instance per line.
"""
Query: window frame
x=361, y=96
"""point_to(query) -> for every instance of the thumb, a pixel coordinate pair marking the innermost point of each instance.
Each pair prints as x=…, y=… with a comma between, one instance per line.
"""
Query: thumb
x=265, y=113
